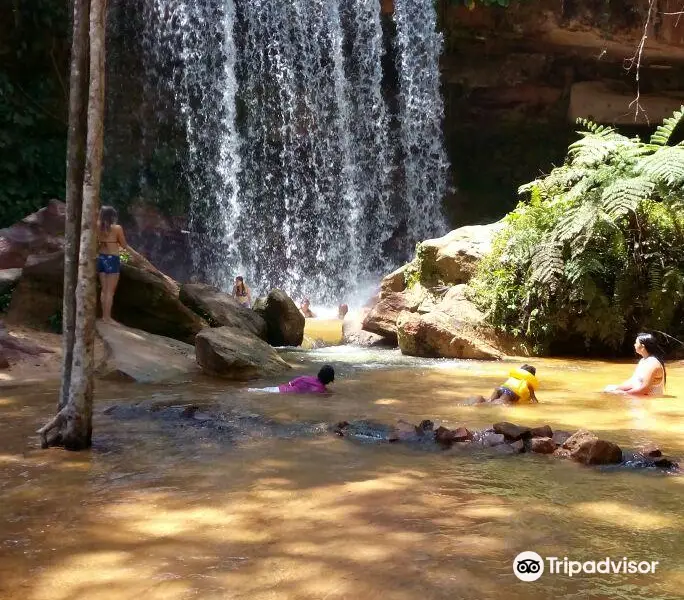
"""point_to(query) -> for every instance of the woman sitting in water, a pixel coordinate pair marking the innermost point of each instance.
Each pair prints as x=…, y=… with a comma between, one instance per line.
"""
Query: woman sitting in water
x=242, y=293
x=518, y=388
x=649, y=376
x=305, y=384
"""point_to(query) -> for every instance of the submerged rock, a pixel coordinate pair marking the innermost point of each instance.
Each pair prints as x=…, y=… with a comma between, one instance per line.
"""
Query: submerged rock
x=219, y=308
x=598, y=452
x=651, y=450
x=235, y=354
x=447, y=437
x=143, y=357
x=284, y=322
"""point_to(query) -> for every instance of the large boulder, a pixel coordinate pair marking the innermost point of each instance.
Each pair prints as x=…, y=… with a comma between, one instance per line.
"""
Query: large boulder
x=236, y=354
x=37, y=298
x=454, y=329
x=394, y=282
x=453, y=258
x=382, y=318
x=39, y=233
x=221, y=309
x=148, y=300
x=353, y=333
x=439, y=335
x=136, y=355
x=585, y=447
x=284, y=322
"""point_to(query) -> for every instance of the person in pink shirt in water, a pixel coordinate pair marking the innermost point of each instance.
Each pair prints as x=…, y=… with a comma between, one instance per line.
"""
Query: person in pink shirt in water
x=307, y=384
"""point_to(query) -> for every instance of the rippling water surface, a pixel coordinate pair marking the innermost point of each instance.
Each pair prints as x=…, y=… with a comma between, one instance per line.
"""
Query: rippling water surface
x=171, y=511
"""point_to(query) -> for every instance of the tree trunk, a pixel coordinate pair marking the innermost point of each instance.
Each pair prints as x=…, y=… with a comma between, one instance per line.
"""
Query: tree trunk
x=76, y=146
x=74, y=420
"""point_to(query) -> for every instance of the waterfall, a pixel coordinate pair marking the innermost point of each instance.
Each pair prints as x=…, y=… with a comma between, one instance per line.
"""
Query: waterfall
x=425, y=163
x=301, y=175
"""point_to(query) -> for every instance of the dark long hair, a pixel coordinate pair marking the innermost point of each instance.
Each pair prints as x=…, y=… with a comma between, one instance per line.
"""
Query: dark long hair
x=108, y=217
x=653, y=347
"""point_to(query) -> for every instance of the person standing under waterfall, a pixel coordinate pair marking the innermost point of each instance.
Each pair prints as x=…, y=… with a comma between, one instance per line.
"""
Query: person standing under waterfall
x=242, y=293
x=111, y=240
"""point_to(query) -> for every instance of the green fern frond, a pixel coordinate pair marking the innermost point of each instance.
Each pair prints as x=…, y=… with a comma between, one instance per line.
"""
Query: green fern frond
x=547, y=264
x=583, y=267
x=666, y=166
x=593, y=149
x=577, y=224
x=594, y=128
x=662, y=135
x=624, y=195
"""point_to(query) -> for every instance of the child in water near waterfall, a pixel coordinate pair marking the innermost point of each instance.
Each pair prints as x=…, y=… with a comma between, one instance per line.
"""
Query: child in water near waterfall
x=306, y=384
x=518, y=388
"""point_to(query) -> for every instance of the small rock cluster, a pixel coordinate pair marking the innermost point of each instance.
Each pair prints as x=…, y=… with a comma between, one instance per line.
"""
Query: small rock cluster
x=581, y=446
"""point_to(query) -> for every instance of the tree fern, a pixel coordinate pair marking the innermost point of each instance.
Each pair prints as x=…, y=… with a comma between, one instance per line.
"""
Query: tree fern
x=594, y=148
x=664, y=132
x=624, y=195
x=547, y=264
x=665, y=166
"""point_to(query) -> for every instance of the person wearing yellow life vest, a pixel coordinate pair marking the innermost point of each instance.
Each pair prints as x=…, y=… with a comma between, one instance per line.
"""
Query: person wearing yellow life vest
x=519, y=387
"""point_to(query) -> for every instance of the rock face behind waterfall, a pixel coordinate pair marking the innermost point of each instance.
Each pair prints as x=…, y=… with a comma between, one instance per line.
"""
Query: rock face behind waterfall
x=284, y=322
x=221, y=309
x=236, y=354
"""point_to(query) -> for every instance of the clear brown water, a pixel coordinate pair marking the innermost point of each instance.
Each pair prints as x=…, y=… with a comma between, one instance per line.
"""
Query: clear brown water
x=163, y=512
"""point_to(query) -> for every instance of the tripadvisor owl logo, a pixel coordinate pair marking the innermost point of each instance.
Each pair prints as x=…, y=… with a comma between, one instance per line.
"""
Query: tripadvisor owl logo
x=528, y=566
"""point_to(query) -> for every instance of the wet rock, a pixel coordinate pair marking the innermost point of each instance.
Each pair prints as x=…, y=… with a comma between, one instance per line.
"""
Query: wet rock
x=560, y=437
x=426, y=425
x=353, y=333
x=472, y=400
x=284, y=322
x=188, y=412
x=518, y=446
x=651, y=450
x=491, y=439
x=110, y=409
x=16, y=349
x=341, y=428
x=394, y=282
x=37, y=297
x=219, y=308
x=544, y=431
x=8, y=280
x=382, y=318
x=143, y=357
x=597, y=452
x=447, y=437
x=512, y=432
x=202, y=417
x=663, y=462
x=577, y=439
x=235, y=354
x=37, y=234
x=503, y=450
x=404, y=431
x=542, y=445
x=4, y=361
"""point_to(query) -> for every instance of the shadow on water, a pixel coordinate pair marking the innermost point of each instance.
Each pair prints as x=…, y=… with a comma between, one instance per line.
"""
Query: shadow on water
x=169, y=508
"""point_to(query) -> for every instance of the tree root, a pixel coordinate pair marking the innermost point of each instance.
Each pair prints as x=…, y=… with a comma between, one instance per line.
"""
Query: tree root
x=56, y=422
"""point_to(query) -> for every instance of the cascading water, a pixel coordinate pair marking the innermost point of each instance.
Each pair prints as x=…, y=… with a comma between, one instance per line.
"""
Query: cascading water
x=300, y=175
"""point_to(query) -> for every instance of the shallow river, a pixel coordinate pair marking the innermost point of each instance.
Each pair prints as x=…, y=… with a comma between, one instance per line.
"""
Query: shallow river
x=163, y=511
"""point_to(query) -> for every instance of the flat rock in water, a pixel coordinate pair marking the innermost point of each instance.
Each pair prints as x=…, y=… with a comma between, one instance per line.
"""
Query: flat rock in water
x=512, y=432
x=597, y=452
x=236, y=354
x=221, y=309
x=542, y=445
x=144, y=357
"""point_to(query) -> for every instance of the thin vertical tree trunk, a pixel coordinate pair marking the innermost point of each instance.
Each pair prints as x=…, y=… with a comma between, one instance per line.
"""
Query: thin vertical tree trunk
x=74, y=419
x=76, y=147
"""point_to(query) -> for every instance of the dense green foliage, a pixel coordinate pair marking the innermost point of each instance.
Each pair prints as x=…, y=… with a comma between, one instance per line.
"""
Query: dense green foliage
x=596, y=250
x=33, y=98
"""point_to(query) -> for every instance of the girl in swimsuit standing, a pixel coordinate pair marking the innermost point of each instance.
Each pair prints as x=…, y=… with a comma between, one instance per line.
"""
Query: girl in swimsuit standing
x=110, y=241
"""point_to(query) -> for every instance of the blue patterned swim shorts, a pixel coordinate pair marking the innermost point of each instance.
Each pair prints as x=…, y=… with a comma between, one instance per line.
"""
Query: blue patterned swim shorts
x=109, y=264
